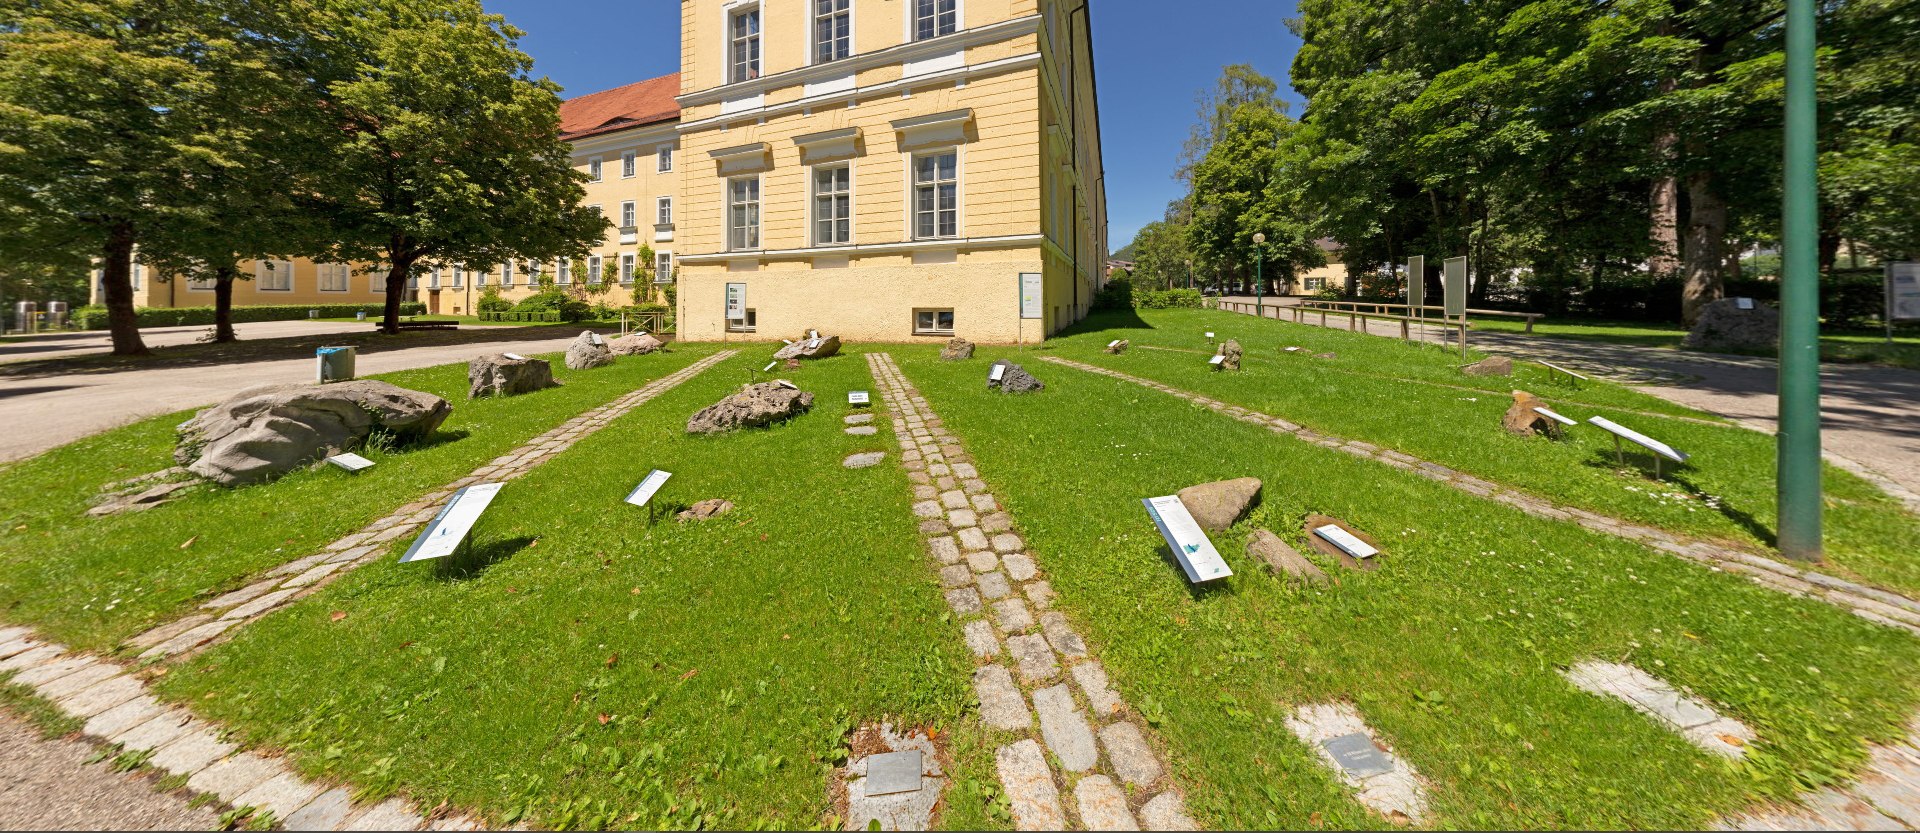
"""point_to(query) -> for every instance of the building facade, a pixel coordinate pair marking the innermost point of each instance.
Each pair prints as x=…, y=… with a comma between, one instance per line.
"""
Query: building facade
x=884, y=170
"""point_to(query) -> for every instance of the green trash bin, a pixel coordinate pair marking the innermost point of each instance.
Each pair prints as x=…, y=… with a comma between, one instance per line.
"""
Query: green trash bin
x=333, y=364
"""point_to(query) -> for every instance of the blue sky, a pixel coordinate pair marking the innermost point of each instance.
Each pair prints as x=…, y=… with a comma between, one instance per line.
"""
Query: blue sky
x=1153, y=58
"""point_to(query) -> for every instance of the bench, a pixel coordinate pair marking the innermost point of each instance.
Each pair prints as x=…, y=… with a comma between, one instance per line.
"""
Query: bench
x=1573, y=379
x=1336, y=306
x=1661, y=451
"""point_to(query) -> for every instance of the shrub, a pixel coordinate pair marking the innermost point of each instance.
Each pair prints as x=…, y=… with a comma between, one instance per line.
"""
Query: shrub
x=95, y=317
x=490, y=301
x=554, y=301
x=1117, y=294
x=1167, y=299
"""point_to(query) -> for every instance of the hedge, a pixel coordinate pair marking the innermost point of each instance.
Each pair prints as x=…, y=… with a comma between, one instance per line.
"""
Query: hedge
x=520, y=316
x=95, y=317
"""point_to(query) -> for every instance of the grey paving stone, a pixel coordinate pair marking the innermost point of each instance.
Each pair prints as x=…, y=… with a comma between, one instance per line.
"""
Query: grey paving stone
x=954, y=499
x=961, y=518
x=1891, y=796
x=1040, y=593
x=1840, y=811
x=1020, y=567
x=864, y=460
x=996, y=523
x=945, y=549
x=1034, y=658
x=1008, y=542
x=1092, y=677
x=965, y=470
x=313, y=575
x=164, y=728
x=994, y=586
x=858, y=419
x=41, y=673
x=1166, y=812
x=233, y=777
x=298, y=565
x=1103, y=806
x=31, y=657
x=1064, y=729
x=981, y=639
x=935, y=526
x=191, y=750
x=1029, y=785
x=1651, y=696
x=262, y=604
x=456, y=823
x=13, y=632
x=193, y=638
x=112, y=723
x=972, y=539
x=280, y=795
x=983, y=562
x=327, y=811
x=17, y=645
x=957, y=575
x=391, y=814
x=80, y=678
x=984, y=502
x=249, y=592
x=927, y=509
x=1127, y=750
x=1061, y=635
x=1012, y=615
x=964, y=601
x=1001, y=705
x=101, y=696
x=1396, y=793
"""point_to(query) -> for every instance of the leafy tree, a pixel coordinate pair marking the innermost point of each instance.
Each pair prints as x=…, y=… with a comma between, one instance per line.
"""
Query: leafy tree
x=439, y=145
x=1240, y=188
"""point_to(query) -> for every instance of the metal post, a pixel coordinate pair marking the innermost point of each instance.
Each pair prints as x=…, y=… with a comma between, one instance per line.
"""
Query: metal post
x=1259, y=283
x=1799, y=437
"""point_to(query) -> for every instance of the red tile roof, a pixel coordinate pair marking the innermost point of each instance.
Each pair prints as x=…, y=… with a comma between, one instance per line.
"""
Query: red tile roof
x=634, y=105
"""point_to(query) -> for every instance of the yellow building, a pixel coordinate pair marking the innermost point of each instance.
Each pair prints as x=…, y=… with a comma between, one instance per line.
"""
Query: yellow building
x=886, y=170
x=265, y=283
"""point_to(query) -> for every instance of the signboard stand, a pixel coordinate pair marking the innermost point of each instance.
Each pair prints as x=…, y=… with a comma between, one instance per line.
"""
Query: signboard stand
x=1903, y=294
x=642, y=495
x=1456, y=297
x=1661, y=451
x=1417, y=291
x=448, y=532
x=1189, y=542
x=1033, y=302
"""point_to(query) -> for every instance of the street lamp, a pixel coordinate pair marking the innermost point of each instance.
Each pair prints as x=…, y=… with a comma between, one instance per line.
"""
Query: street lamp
x=1259, y=281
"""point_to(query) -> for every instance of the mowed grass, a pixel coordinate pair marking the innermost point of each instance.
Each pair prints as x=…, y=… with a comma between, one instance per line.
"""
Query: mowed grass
x=589, y=669
x=1451, y=650
x=1845, y=346
x=92, y=582
x=1414, y=399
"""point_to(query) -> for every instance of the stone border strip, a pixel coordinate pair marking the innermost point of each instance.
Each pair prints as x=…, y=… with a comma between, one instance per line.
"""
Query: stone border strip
x=118, y=710
x=1395, y=791
x=1692, y=717
x=994, y=586
x=1872, y=604
x=1886, y=797
x=298, y=579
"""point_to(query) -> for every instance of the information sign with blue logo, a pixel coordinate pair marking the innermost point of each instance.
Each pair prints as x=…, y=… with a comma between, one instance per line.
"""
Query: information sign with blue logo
x=1188, y=541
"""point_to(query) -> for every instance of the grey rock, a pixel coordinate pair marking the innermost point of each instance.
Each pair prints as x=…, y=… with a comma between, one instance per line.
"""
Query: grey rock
x=588, y=351
x=264, y=432
x=1035, y=658
x=1061, y=635
x=1167, y=812
x=1000, y=703
x=1725, y=327
x=1015, y=380
x=1231, y=353
x=1129, y=753
x=1064, y=729
x=1029, y=785
x=1219, y=505
x=809, y=347
x=858, y=419
x=1118, y=347
x=1103, y=806
x=142, y=499
x=863, y=430
x=864, y=460
x=994, y=586
x=1013, y=615
x=637, y=344
x=1020, y=567
x=1490, y=366
x=753, y=407
x=1092, y=677
x=957, y=350
x=981, y=639
x=1284, y=560
x=705, y=510
x=498, y=375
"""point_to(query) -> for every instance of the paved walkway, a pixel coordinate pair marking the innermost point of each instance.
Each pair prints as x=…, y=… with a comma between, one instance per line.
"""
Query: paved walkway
x=994, y=586
x=61, y=345
x=1868, y=414
x=48, y=785
x=41, y=411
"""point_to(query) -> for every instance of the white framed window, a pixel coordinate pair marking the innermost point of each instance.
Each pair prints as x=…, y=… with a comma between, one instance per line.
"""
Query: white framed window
x=833, y=205
x=563, y=271
x=626, y=268
x=934, y=18
x=663, y=267
x=743, y=44
x=743, y=214
x=628, y=167
x=459, y=276
x=200, y=284
x=433, y=278
x=137, y=273
x=334, y=277
x=594, y=171
x=272, y=275
x=629, y=214
x=832, y=30
x=506, y=273
x=665, y=159
x=936, y=195
x=933, y=322
x=594, y=264
x=663, y=214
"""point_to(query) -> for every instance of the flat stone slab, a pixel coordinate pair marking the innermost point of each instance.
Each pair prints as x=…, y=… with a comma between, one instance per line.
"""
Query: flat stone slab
x=1092, y=677
x=1692, y=718
x=1167, y=812
x=1393, y=790
x=1034, y=656
x=325, y=812
x=1065, y=729
x=1001, y=705
x=863, y=430
x=897, y=788
x=858, y=419
x=1103, y=806
x=864, y=460
x=1029, y=785
x=1128, y=752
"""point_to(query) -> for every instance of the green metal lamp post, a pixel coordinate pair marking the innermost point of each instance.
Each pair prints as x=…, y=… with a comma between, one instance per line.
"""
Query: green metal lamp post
x=1799, y=437
x=1259, y=278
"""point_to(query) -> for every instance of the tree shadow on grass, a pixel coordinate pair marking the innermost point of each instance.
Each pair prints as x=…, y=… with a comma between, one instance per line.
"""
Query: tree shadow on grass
x=473, y=560
x=1197, y=591
x=1675, y=479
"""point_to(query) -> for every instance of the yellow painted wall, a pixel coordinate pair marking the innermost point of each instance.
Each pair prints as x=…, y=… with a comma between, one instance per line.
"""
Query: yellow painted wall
x=149, y=291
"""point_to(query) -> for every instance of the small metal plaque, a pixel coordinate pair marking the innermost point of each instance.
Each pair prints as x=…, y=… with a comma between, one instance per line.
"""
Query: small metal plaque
x=597, y=340
x=515, y=357
x=788, y=385
x=1743, y=303
x=351, y=462
x=998, y=372
x=1216, y=360
x=1346, y=541
x=1357, y=755
x=1209, y=335
x=1553, y=416
x=893, y=772
x=645, y=491
x=859, y=397
x=769, y=367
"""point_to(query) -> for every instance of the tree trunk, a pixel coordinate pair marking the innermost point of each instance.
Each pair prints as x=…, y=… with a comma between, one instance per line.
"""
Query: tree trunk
x=116, y=289
x=1705, y=246
x=1664, y=202
x=1829, y=251
x=396, y=286
x=223, y=305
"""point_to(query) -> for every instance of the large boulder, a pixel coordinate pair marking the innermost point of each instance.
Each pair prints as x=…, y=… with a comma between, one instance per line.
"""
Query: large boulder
x=638, y=344
x=754, y=406
x=1523, y=420
x=588, y=352
x=1231, y=353
x=1725, y=327
x=1219, y=505
x=1014, y=379
x=957, y=350
x=504, y=375
x=264, y=432
x=810, y=346
x=1490, y=366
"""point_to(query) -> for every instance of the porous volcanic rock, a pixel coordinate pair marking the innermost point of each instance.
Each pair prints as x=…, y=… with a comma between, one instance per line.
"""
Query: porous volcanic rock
x=1217, y=506
x=1231, y=353
x=267, y=431
x=1015, y=379
x=957, y=350
x=752, y=407
x=502, y=375
x=588, y=352
x=1725, y=327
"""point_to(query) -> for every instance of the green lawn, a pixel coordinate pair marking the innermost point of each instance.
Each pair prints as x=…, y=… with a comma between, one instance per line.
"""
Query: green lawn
x=91, y=582
x=463, y=320
x=590, y=669
x=1836, y=345
x=1414, y=399
x=1450, y=650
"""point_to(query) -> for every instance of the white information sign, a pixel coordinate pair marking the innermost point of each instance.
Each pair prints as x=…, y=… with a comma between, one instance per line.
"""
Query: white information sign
x=1455, y=286
x=1640, y=439
x=1293, y=349
x=442, y=537
x=786, y=384
x=1033, y=295
x=1346, y=541
x=1189, y=542
x=736, y=302
x=1209, y=334
x=813, y=334
x=770, y=366
x=351, y=462
x=1112, y=344
x=859, y=397
x=1903, y=291
x=515, y=356
x=1216, y=360
x=1555, y=417
x=998, y=371
x=645, y=491
x=1743, y=303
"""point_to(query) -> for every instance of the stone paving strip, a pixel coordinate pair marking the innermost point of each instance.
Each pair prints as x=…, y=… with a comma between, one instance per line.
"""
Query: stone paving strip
x=1379, y=779
x=1693, y=718
x=303, y=577
x=117, y=710
x=1037, y=678
x=1872, y=604
x=1885, y=797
